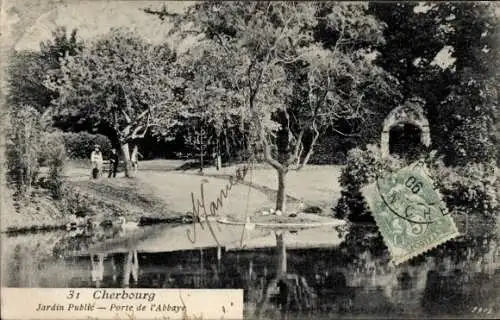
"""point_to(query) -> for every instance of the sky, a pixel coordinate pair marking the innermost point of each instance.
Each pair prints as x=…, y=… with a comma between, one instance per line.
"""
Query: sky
x=94, y=18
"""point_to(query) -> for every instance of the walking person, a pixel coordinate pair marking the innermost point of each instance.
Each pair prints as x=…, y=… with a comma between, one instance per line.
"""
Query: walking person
x=96, y=161
x=113, y=163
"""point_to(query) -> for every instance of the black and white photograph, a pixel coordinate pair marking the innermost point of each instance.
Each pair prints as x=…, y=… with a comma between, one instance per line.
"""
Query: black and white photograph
x=328, y=159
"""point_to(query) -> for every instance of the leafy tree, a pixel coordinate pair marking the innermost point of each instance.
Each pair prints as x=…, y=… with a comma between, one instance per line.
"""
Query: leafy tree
x=292, y=84
x=460, y=91
x=62, y=45
x=121, y=83
x=210, y=105
x=26, y=74
x=461, y=104
x=28, y=70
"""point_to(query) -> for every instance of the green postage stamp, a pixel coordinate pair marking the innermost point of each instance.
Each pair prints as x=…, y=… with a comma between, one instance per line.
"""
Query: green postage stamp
x=409, y=212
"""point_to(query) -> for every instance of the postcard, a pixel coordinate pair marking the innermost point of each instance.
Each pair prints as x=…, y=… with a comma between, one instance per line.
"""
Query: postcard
x=249, y=160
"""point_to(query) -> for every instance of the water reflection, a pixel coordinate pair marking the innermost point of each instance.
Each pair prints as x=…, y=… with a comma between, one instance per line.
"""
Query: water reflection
x=286, y=281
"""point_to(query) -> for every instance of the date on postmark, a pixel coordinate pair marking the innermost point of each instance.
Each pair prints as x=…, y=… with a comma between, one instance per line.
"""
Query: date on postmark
x=409, y=212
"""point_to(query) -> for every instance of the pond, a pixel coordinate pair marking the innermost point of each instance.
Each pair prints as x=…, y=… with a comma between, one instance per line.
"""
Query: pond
x=319, y=282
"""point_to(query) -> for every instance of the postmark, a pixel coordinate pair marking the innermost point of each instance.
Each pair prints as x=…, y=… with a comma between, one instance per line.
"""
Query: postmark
x=409, y=212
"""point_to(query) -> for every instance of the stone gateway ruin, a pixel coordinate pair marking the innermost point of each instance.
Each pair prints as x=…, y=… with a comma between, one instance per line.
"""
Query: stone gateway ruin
x=405, y=130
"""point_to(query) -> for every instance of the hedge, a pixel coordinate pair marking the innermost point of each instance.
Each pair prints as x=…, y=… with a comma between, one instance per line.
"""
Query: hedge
x=79, y=145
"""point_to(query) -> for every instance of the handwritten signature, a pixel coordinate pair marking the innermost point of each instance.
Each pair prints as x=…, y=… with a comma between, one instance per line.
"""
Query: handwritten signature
x=215, y=206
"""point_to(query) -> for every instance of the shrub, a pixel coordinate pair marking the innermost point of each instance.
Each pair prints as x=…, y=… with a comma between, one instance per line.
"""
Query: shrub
x=363, y=166
x=74, y=202
x=54, y=154
x=23, y=149
x=469, y=191
x=79, y=145
x=328, y=151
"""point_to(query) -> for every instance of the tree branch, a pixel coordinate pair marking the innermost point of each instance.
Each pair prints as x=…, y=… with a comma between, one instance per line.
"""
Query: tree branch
x=345, y=134
x=300, y=154
x=127, y=117
x=125, y=133
x=311, y=147
x=298, y=147
x=115, y=121
x=135, y=134
x=267, y=153
x=339, y=40
x=254, y=91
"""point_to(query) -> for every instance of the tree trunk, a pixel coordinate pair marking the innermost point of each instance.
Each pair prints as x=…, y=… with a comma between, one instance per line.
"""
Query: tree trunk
x=281, y=252
x=281, y=197
x=218, y=159
x=135, y=151
x=201, y=159
x=201, y=152
x=126, y=159
x=227, y=146
x=283, y=145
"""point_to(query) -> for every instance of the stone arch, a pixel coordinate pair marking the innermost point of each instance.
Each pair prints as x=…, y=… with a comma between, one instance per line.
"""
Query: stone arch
x=409, y=113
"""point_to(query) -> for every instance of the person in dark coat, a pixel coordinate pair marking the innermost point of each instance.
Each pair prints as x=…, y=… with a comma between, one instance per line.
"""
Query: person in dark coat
x=113, y=163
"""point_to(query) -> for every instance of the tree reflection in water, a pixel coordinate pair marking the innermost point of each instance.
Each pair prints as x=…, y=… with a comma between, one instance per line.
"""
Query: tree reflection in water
x=352, y=279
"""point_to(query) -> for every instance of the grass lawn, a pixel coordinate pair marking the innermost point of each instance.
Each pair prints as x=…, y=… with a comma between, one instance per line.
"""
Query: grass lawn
x=314, y=184
x=39, y=212
x=161, y=191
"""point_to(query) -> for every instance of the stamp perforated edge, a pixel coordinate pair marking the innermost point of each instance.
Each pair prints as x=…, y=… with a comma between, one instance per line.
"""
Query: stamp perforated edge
x=397, y=260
